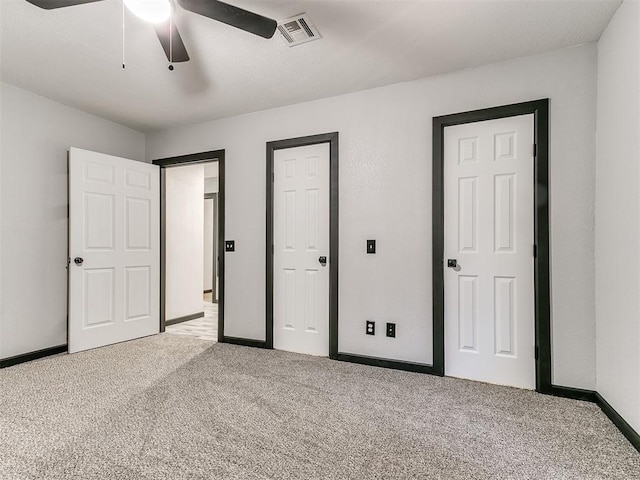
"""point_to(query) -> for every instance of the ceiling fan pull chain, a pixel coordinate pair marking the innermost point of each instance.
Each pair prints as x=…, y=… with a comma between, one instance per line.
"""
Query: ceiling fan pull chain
x=171, y=41
x=123, y=34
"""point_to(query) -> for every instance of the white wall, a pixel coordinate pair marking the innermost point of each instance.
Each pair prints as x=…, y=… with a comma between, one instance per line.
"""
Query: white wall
x=618, y=214
x=35, y=135
x=184, y=240
x=385, y=193
x=211, y=184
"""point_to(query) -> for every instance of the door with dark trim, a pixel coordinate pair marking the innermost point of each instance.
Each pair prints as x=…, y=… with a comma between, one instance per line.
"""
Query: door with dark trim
x=301, y=188
x=488, y=241
x=323, y=258
x=540, y=247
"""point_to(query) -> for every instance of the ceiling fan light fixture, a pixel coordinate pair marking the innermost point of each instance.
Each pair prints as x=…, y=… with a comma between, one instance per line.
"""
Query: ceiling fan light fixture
x=153, y=11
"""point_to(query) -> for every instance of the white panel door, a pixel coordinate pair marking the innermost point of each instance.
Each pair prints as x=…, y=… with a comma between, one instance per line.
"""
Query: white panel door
x=114, y=251
x=301, y=237
x=489, y=214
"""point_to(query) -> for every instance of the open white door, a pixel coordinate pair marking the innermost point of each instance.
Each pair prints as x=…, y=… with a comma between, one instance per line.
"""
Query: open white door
x=488, y=248
x=114, y=249
x=301, y=249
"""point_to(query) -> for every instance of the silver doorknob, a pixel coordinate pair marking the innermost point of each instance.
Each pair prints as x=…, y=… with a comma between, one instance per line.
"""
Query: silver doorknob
x=78, y=261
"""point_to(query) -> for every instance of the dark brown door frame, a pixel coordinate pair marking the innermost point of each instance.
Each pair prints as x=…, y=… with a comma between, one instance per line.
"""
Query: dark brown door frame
x=332, y=140
x=183, y=160
x=214, y=198
x=540, y=111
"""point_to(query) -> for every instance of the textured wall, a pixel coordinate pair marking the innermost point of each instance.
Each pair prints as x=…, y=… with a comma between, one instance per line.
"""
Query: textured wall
x=185, y=240
x=385, y=193
x=618, y=214
x=36, y=135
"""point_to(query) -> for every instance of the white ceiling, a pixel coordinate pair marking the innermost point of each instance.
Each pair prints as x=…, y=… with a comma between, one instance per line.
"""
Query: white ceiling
x=74, y=55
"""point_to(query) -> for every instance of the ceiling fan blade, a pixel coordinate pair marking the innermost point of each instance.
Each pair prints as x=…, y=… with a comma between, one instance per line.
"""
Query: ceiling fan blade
x=51, y=4
x=232, y=15
x=171, y=42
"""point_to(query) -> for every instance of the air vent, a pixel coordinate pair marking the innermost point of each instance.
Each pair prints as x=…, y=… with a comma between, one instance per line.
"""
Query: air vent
x=298, y=29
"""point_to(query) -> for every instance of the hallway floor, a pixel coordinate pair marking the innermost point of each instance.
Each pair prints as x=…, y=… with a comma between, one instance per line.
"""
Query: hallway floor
x=204, y=328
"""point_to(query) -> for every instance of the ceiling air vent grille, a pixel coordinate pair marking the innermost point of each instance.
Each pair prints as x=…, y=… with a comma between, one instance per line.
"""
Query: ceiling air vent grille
x=298, y=29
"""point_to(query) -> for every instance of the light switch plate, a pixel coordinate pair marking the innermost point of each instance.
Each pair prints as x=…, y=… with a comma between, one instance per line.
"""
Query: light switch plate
x=371, y=246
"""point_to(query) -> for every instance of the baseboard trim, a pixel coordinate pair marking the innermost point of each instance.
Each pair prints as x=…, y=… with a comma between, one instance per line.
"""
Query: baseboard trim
x=386, y=363
x=27, y=357
x=573, y=393
x=186, y=318
x=593, y=396
x=555, y=390
x=245, y=342
x=626, y=429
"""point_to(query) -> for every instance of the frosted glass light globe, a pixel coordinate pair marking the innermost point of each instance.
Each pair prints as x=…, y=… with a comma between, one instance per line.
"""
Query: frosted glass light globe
x=154, y=11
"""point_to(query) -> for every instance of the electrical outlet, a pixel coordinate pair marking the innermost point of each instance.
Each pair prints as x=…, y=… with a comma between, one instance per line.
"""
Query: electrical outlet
x=371, y=327
x=391, y=330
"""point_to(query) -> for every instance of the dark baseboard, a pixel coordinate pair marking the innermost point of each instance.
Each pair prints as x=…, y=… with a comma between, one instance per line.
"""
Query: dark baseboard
x=386, y=363
x=208, y=291
x=555, y=390
x=593, y=396
x=245, y=342
x=186, y=318
x=573, y=393
x=27, y=357
x=626, y=429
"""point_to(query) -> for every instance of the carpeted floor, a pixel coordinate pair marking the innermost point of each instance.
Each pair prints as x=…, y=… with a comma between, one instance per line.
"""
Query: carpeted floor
x=172, y=407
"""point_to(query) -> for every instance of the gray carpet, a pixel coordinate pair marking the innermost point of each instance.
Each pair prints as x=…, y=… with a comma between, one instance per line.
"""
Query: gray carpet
x=171, y=407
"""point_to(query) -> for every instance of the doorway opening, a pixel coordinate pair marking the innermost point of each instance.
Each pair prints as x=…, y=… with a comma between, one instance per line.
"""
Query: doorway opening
x=191, y=244
x=539, y=250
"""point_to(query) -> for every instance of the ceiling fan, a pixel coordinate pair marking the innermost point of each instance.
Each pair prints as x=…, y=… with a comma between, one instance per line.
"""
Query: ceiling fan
x=158, y=12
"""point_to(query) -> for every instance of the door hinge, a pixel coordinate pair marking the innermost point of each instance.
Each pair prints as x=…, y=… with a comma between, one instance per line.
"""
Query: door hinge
x=535, y=251
x=537, y=353
x=535, y=150
x=273, y=177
